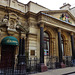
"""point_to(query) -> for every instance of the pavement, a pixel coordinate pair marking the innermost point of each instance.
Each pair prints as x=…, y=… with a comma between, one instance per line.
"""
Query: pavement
x=61, y=71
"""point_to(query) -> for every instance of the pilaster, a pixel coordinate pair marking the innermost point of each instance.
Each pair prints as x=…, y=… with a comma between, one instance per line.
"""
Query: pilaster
x=53, y=50
x=66, y=50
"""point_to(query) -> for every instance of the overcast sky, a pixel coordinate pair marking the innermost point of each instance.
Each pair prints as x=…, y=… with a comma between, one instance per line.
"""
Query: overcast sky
x=51, y=4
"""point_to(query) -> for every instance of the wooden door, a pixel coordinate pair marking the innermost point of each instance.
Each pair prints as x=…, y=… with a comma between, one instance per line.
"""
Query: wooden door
x=7, y=56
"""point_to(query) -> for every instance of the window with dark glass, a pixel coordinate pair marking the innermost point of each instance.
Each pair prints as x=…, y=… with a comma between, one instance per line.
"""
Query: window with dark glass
x=46, y=43
x=32, y=52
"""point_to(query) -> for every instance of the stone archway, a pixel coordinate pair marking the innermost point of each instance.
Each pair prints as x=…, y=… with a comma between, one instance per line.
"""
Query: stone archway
x=50, y=40
x=64, y=45
x=64, y=42
x=8, y=48
x=7, y=56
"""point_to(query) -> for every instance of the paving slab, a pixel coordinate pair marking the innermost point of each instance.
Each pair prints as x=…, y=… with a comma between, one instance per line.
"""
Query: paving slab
x=57, y=71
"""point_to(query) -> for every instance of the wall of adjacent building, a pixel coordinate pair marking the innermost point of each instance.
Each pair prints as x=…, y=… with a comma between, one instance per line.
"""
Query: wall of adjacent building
x=34, y=7
x=31, y=6
x=68, y=7
x=72, y=10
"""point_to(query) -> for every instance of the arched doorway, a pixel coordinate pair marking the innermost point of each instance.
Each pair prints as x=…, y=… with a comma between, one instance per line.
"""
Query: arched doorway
x=46, y=47
x=8, y=48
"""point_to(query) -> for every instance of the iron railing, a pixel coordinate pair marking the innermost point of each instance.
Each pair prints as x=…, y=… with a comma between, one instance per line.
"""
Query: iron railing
x=33, y=65
x=10, y=71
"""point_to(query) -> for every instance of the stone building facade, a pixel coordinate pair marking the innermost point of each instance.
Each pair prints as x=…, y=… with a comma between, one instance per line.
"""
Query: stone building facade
x=35, y=22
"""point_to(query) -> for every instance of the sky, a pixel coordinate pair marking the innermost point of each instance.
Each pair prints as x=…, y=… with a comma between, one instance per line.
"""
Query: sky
x=51, y=4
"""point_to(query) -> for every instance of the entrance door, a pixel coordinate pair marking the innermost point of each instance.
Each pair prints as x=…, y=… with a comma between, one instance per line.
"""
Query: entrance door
x=7, y=56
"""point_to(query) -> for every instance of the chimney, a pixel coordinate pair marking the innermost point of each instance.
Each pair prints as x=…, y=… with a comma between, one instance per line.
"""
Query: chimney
x=65, y=6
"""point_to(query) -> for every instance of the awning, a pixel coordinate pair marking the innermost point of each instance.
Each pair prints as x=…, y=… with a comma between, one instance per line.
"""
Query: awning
x=9, y=40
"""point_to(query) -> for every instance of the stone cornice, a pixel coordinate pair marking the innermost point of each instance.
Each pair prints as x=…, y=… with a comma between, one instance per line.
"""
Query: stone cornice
x=15, y=10
x=6, y=8
x=51, y=21
x=30, y=14
x=54, y=11
x=59, y=11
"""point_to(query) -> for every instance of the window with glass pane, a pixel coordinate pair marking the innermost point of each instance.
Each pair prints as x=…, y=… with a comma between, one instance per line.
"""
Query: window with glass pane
x=62, y=45
x=46, y=44
x=33, y=52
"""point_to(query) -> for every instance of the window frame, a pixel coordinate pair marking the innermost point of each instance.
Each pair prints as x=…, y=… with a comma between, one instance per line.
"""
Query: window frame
x=47, y=42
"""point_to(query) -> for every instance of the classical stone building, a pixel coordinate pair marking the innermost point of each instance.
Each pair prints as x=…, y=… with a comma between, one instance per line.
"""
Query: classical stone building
x=46, y=32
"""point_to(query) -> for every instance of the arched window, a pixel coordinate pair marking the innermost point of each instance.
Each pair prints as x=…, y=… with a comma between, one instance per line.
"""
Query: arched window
x=62, y=45
x=46, y=44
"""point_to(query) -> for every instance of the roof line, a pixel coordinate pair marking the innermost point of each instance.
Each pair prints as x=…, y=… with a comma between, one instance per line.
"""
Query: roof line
x=38, y=4
x=56, y=18
x=52, y=11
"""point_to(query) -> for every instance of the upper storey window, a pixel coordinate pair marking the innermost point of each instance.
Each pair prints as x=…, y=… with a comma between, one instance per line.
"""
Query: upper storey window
x=65, y=17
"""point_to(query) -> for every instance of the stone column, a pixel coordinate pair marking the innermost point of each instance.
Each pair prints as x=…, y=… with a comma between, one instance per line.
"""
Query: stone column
x=20, y=48
x=42, y=65
x=23, y=46
x=41, y=43
x=59, y=46
x=0, y=46
x=21, y=57
x=72, y=44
